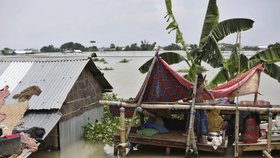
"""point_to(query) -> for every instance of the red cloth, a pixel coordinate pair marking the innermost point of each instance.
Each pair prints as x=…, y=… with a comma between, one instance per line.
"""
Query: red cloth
x=229, y=87
x=12, y=136
x=166, y=85
x=4, y=93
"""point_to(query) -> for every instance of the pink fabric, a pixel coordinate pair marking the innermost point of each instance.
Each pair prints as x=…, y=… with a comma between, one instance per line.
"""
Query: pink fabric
x=258, y=102
x=229, y=87
x=4, y=93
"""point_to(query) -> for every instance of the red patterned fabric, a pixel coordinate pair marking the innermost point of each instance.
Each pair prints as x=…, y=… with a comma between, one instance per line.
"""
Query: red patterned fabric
x=166, y=85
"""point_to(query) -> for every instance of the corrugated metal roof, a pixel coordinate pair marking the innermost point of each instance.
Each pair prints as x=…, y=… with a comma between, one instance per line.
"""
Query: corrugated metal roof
x=43, y=119
x=55, y=76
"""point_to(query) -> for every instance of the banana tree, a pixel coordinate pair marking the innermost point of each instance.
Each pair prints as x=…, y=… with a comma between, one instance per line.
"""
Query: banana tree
x=229, y=70
x=212, y=32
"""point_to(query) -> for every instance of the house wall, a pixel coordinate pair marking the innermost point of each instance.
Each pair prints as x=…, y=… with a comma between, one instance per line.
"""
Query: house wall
x=83, y=96
x=80, y=107
x=71, y=130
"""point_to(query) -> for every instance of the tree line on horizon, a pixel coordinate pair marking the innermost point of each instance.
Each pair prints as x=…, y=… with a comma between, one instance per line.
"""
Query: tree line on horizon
x=144, y=46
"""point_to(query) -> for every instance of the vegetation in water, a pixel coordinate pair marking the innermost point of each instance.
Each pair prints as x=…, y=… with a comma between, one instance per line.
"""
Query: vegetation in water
x=106, y=68
x=102, y=60
x=124, y=61
x=102, y=131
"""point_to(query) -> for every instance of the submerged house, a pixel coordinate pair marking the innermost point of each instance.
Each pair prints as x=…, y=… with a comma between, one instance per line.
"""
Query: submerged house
x=71, y=88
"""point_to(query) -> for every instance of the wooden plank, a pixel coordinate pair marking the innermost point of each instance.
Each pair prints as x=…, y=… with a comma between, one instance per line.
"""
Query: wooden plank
x=172, y=139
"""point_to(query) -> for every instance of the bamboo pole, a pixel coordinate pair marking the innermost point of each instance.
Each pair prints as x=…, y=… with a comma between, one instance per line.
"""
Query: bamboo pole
x=269, y=132
x=187, y=107
x=266, y=154
x=122, y=132
x=138, y=109
x=141, y=96
x=191, y=136
x=236, y=151
x=256, y=94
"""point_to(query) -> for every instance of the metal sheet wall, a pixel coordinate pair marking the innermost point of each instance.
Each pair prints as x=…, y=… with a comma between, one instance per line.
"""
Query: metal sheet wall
x=71, y=130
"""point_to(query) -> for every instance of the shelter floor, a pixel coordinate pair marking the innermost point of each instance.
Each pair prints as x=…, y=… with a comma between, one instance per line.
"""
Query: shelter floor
x=172, y=139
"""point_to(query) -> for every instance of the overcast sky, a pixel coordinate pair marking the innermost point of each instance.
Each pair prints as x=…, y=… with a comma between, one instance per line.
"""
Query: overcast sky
x=37, y=23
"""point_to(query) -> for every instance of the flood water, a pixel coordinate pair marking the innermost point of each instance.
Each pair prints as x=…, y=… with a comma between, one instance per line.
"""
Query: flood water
x=126, y=81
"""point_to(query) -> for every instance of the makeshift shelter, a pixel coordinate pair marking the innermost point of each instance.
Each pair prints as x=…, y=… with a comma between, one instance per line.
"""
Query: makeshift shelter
x=71, y=88
x=163, y=88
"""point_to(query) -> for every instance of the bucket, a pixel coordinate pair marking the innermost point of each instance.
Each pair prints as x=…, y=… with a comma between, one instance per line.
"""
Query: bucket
x=251, y=132
x=212, y=135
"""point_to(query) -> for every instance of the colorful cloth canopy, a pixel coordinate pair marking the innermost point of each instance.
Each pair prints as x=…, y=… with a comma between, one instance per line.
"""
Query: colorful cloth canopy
x=166, y=85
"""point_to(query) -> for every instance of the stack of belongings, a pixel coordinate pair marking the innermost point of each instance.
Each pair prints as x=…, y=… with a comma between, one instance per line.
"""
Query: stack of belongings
x=13, y=142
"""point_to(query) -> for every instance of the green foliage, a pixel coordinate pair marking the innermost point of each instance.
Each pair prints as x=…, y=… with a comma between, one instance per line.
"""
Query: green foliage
x=106, y=68
x=146, y=46
x=172, y=47
x=103, y=131
x=49, y=48
x=124, y=61
x=7, y=51
x=229, y=70
x=102, y=60
x=277, y=44
x=132, y=47
x=212, y=32
x=72, y=46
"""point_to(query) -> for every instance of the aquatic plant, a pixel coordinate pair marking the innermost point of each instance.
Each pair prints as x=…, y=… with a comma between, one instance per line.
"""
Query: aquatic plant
x=124, y=61
x=102, y=131
x=102, y=60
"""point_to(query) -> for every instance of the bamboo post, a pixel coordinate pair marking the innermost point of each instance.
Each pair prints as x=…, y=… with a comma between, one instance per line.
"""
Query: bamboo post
x=141, y=95
x=191, y=136
x=266, y=154
x=236, y=151
x=122, y=132
x=256, y=94
x=133, y=116
x=269, y=132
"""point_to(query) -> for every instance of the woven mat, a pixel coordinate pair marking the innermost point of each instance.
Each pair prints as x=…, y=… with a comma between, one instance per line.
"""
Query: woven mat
x=14, y=116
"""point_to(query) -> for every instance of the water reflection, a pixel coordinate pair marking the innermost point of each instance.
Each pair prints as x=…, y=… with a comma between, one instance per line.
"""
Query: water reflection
x=83, y=149
x=80, y=149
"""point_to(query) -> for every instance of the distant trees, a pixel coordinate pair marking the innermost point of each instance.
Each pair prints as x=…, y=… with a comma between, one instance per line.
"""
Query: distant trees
x=132, y=47
x=172, y=47
x=277, y=44
x=146, y=46
x=49, y=48
x=72, y=46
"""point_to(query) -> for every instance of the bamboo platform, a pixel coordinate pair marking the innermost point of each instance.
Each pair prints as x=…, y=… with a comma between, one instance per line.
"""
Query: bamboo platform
x=172, y=139
x=259, y=146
